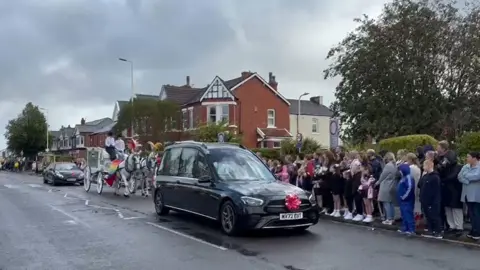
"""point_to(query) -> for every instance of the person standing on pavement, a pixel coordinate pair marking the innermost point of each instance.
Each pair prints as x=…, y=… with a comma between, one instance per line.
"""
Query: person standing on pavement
x=448, y=170
x=416, y=173
x=406, y=199
x=430, y=198
x=388, y=186
x=469, y=176
x=356, y=171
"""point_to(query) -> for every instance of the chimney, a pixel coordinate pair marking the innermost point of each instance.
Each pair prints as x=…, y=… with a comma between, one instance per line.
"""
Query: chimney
x=272, y=81
x=246, y=74
x=82, y=121
x=68, y=126
x=188, y=81
x=317, y=100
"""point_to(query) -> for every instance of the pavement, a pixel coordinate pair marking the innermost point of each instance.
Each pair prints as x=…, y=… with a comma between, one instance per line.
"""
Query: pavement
x=64, y=227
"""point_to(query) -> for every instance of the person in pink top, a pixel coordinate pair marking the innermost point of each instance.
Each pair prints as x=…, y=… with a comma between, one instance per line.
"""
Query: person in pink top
x=366, y=189
x=283, y=174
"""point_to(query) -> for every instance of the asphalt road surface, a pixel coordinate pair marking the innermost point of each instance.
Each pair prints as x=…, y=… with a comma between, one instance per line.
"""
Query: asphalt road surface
x=44, y=227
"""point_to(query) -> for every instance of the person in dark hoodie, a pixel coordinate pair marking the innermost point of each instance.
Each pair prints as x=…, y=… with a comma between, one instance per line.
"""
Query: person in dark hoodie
x=406, y=199
x=452, y=207
x=430, y=198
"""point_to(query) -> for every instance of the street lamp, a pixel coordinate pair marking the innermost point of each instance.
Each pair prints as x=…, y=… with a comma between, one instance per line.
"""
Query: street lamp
x=133, y=89
x=46, y=116
x=298, y=115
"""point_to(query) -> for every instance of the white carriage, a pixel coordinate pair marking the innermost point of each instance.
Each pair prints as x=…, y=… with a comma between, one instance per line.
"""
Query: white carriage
x=97, y=170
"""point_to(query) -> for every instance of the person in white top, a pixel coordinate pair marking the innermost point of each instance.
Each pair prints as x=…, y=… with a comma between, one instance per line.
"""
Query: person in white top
x=120, y=144
x=110, y=146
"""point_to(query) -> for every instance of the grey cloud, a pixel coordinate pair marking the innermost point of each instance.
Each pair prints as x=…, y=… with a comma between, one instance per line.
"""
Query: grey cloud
x=166, y=40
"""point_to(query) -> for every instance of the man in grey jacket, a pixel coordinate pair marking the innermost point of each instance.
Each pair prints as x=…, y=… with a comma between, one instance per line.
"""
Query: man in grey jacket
x=469, y=176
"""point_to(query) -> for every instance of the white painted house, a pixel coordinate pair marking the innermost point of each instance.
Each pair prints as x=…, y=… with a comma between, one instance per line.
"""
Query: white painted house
x=314, y=120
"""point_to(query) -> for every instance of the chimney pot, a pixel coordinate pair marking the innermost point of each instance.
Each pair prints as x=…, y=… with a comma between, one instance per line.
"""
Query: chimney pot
x=246, y=74
x=270, y=75
x=317, y=100
x=188, y=80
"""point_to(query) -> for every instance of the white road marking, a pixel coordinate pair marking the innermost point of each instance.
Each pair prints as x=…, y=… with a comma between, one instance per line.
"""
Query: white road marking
x=70, y=216
x=130, y=218
x=187, y=236
x=11, y=186
x=71, y=222
x=120, y=215
x=66, y=194
x=50, y=190
x=86, y=202
x=35, y=185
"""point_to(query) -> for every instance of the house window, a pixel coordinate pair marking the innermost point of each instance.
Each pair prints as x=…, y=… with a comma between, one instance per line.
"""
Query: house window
x=271, y=118
x=225, y=113
x=212, y=114
x=184, y=120
x=190, y=118
x=276, y=144
x=263, y=144
x=314, y=125
x=82, y=140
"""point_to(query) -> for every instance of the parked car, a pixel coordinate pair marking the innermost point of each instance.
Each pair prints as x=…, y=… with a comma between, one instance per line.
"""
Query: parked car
x=62, y=173
x=231, y=185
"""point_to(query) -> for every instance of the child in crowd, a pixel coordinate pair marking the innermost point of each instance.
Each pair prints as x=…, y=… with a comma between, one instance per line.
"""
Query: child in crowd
x=406, y=199
x=282, y=172
x=366, y=190
x=430, y=199
x=337, y=186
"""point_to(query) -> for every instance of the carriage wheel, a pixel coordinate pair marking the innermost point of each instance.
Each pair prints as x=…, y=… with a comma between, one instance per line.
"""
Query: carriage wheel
x=100, y=182
x=87, y=178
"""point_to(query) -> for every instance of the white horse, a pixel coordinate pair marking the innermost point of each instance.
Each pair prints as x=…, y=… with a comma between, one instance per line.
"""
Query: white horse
x=124, y=173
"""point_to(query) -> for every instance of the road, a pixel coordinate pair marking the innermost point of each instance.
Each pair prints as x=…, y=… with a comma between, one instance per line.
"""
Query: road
x=44, y=227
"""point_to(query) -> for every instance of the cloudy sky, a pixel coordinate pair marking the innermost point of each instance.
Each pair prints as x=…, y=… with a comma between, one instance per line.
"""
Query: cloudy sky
x=62, y=54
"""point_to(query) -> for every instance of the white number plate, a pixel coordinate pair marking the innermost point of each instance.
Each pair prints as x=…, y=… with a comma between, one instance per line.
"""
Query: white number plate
x=71, y=179
x=291, y=216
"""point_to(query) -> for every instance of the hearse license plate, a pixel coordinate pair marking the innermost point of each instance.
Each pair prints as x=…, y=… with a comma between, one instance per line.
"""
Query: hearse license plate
x=72, y=179
x=291, y=216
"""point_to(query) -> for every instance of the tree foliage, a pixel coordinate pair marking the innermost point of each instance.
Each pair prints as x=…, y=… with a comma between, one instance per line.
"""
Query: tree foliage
x=151, y=117
x=209, y=133
x=27, y=132
x=413, y=70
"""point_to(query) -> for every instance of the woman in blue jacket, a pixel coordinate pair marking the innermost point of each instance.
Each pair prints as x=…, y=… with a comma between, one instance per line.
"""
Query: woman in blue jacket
x=406, y=199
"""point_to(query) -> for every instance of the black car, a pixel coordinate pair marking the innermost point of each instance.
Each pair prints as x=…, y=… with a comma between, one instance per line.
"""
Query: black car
x=229, y=184
x=62, y=173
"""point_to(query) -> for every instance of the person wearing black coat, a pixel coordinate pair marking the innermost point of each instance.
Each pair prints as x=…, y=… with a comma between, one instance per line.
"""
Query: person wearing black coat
x=430, y=199
x=448, y=169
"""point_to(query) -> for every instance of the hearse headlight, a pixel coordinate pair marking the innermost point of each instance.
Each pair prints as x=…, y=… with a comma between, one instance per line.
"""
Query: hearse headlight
x=59, y=175
x=252, y=201
x=312, y=199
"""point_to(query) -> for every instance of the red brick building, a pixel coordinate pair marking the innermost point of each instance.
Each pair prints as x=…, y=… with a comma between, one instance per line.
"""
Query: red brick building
x=248, y=103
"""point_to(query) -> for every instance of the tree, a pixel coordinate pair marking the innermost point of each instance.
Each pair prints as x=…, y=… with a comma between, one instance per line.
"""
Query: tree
x=151, y=117
x=27, y=132
x=209, y=133
x=412, y=70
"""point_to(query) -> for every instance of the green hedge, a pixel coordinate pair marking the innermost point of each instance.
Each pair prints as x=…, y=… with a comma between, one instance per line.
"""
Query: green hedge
x=268, y=153
x=468, y=142
x=409, y=142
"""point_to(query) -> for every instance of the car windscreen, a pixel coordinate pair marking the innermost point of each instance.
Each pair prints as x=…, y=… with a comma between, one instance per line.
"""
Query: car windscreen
x=239, y=164
x=66, y=167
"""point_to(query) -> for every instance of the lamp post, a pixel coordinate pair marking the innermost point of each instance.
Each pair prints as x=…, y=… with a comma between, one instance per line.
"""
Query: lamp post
x=133, y=89
x=46, y=116
x=299, y=111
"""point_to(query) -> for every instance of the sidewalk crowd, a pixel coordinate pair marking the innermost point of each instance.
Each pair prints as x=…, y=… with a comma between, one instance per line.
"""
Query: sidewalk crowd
x=430, y=185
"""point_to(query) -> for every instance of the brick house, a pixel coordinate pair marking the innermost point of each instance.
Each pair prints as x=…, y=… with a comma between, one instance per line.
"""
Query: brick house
x=74, y=140
x=250, y=105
